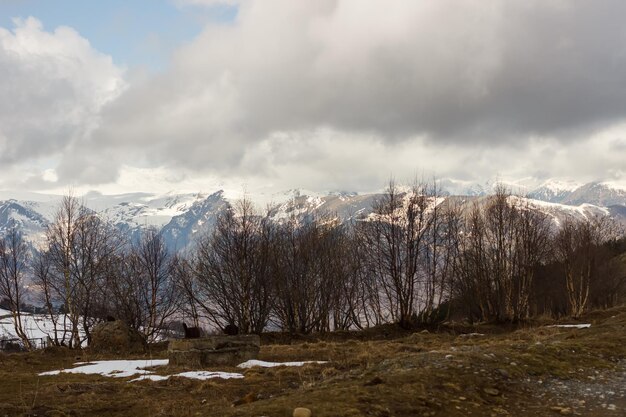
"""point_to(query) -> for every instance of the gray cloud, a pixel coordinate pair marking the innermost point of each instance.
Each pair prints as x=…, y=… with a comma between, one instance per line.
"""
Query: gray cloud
x=323, y=93
x=454, y=71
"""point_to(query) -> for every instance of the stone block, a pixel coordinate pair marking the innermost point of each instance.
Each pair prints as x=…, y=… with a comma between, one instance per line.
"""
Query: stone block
x=213, y=350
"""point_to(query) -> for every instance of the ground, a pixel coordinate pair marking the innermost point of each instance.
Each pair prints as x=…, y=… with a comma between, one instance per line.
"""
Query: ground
x=533, y=370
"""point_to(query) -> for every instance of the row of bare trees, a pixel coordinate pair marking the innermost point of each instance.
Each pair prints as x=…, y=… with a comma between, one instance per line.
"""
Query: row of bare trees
x=254, y=272
x=417, y=258
x=503, y=244
x=87, y=271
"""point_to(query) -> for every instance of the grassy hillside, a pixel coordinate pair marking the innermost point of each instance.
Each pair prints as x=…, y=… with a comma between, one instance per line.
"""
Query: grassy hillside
x=526, y=372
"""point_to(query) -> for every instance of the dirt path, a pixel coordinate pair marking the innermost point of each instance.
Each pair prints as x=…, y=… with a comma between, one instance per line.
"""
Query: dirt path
x=601, y=394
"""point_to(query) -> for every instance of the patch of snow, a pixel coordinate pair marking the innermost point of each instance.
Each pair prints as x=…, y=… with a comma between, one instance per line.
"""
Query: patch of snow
x=573, y=326
x=253, y=362
x=203, y=375
x=149, y=377
x=127, y=368
x=36, y=326
x=115, y=368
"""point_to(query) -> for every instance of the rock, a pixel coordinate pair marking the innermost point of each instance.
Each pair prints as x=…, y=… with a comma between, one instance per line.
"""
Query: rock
x=374, y=381
x=491, y=391
x=213, y=350
x=504, y=373
x=566, y=411
x=117, y=337
x=246, y=399
x=301, y=412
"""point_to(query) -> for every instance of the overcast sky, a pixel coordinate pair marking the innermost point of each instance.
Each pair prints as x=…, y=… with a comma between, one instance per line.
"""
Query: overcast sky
x=325, y=95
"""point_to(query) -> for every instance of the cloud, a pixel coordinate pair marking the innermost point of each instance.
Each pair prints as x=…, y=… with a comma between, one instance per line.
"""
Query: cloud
x=452, y=70
x=53, y=86
x=333, y=92
x=456, y=72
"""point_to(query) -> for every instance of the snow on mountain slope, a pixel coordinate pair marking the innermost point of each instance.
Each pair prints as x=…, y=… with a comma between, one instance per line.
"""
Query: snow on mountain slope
x=199, y=218
x=598, y=193
x=128, y=212
x=473, y=189
x=183, y=217
x=559, y=212
x=141, y=209
x=606, y=193
x=464, y=188
x=346, y=206
x=31, y=222
x=554, y=190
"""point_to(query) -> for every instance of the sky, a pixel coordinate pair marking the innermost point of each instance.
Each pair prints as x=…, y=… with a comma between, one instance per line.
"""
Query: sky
x=331, y=95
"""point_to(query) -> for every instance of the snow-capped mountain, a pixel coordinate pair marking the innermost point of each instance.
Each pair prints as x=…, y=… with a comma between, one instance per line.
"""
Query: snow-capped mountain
x=600, y=193
x=199, y=218
x=554, y=191
x=184, y=217
x=26, y=218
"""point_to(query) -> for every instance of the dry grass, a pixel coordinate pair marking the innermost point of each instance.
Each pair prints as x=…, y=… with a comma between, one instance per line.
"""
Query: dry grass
x=400, y=375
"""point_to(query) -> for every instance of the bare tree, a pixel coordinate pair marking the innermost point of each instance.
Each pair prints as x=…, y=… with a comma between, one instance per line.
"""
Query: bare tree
x=43, y=278
x=439, y=255
x=307, y=275
x=14, y=258
x=123, y=290
x=187, y=287
x=151, y=265
x=578, y=246
x=79, y=246
x=61, y=241
x=231, y=267
x=503, y=244
x=393, y=242
x=532, y=238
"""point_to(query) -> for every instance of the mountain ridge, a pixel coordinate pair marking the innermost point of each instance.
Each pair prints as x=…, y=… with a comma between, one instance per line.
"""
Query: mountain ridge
x=183, y=217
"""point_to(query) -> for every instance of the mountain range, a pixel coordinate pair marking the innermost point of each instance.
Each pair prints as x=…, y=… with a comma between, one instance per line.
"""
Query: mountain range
x=183, y=217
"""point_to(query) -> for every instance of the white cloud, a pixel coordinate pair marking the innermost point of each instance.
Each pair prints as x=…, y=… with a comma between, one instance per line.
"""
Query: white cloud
x=53, y=86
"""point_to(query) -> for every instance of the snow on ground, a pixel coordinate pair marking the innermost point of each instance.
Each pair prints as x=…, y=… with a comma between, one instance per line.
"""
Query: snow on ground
x=37, y=327
x=253, y=362
x=150, y=377
x=201, y=375
x=209, y=375
x=573, y=326
x=116, y=368
x=128, y=368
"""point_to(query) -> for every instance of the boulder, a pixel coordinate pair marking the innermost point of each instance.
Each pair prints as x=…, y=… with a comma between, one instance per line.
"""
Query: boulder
x=117, y=337
x=301, y=412
x=213, y=350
